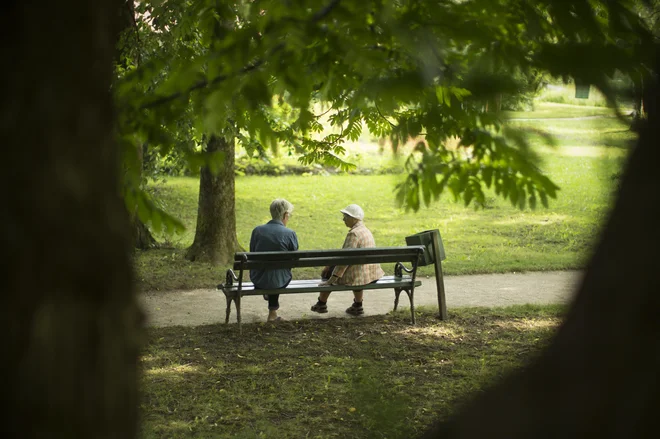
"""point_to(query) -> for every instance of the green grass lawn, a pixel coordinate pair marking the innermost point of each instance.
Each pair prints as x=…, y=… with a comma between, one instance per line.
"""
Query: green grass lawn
x=550, y=110
x=565, y=94
x=499, y=238
x=367, y=378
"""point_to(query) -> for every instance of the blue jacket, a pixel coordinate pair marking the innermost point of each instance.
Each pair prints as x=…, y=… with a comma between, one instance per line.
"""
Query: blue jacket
x=272, y=236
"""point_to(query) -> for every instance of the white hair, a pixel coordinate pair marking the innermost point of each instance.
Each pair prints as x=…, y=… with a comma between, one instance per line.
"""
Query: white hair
x=279, y=207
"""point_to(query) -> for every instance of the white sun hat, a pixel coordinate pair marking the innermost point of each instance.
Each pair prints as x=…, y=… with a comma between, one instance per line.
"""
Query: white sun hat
x=354, y=211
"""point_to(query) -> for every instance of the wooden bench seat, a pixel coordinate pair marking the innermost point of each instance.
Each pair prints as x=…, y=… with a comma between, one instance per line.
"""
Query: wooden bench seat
x=305, y=285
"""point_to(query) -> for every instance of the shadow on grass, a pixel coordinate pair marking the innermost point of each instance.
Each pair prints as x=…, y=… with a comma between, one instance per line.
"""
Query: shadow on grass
x=367, y=377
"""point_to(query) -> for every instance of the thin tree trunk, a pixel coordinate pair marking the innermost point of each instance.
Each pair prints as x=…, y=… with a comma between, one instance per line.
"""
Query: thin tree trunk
x=638, y=102
x=142, y=237
x=70, y=317
x=215, y=235
x=599, y=376
x=129, y=46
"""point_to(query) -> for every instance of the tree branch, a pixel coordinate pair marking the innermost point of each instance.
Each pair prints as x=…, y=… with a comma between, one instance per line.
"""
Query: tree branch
x=205, y=83
x=131, y=11
x=384, y=118
x=319, y=15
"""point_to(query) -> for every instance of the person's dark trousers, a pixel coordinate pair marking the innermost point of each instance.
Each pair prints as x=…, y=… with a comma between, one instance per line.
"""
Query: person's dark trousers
x=273, y=299
x=273, y=302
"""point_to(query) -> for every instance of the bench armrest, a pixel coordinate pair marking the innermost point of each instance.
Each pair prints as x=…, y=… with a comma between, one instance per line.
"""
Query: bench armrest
x=399, y=268
x=229, y=280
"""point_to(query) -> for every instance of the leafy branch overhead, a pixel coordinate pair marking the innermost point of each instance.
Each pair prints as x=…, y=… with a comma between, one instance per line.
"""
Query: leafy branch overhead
x=260, y=71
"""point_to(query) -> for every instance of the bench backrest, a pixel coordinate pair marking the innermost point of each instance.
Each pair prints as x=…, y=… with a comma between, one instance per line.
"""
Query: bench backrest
x=318, y=258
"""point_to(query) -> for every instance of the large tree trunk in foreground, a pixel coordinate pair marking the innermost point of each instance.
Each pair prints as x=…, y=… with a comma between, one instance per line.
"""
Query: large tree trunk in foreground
x=69, y=314
x=600, y=375
x=215, y=235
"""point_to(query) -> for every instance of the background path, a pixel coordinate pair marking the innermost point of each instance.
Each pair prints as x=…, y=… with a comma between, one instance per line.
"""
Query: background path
x=202, y=307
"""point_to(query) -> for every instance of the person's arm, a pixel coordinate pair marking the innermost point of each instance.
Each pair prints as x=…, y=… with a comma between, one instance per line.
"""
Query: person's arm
x=253, y=241
x=293, y=246
x=351, y=241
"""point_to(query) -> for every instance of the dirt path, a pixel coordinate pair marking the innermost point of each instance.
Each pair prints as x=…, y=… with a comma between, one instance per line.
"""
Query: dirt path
x=202, y=307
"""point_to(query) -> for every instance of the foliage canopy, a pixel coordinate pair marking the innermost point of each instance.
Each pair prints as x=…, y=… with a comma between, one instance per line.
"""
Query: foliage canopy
x=266, y=72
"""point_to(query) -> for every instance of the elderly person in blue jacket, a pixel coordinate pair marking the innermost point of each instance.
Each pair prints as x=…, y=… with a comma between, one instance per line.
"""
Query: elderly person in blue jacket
x=274, y=236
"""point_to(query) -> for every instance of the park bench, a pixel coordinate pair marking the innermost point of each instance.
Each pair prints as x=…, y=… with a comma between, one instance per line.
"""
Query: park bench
x=404, y=279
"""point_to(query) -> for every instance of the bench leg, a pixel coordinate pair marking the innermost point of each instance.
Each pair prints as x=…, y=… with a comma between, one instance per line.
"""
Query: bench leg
x=237, y=301
x=228, y=312
x=411, y=294
x=397, y=292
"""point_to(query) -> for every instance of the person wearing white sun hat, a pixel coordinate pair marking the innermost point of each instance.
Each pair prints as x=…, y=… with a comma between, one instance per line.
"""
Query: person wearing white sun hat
x=359, y=236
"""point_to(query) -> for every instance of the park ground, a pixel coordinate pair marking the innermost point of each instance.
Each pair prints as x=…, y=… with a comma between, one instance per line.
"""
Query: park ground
x=369, y=377
x=376, y=376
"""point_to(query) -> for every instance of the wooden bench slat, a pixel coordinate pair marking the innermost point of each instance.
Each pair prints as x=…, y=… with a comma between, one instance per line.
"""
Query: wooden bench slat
x=321, y=261
x=312, y=285
x=300, y=254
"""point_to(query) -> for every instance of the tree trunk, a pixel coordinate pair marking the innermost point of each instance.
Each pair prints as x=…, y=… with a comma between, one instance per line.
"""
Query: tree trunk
x=638, y=102
x=70, y=317
x=129, y=42
x=599, y=376
x=142, y=237
x=215, y=235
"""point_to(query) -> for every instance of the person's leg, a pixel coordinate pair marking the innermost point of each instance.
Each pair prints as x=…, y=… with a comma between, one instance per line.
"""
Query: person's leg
x=356, y=309
x=273, y=306
x=321, y=305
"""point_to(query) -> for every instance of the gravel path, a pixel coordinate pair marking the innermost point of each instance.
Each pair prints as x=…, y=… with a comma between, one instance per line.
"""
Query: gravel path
x=202, y=307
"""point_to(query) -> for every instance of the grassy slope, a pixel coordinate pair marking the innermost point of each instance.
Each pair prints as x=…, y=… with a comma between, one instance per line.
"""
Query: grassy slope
x=497, y=239
x=371, y=377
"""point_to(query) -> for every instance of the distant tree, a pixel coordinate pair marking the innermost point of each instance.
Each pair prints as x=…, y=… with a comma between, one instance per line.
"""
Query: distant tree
x=128, y=52
x=215, y=233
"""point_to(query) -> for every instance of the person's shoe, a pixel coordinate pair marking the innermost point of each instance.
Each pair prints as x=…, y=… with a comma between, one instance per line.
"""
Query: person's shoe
x=355, y=310
x=320, y=307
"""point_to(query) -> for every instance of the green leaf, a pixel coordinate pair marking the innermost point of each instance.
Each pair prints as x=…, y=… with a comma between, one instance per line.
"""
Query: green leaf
x=487, y=175
x=468, y=195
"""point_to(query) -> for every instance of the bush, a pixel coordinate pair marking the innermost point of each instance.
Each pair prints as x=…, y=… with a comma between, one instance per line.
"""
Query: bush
x=275, y=167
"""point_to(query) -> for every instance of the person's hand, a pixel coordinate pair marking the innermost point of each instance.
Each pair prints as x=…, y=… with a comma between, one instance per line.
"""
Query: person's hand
x=332, y=281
